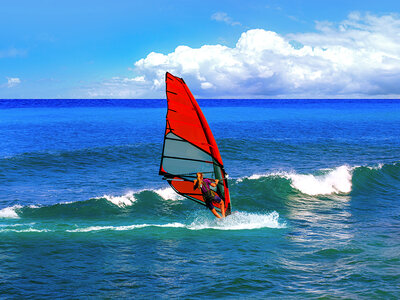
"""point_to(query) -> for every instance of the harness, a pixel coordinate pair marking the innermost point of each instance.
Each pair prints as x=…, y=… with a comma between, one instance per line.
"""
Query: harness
x=209, y=194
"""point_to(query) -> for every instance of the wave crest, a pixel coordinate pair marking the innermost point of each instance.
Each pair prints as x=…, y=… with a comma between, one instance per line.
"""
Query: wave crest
x=10, y=212
x=120, y=201
x=331, y=181
x=168, y=194
x=336, y=181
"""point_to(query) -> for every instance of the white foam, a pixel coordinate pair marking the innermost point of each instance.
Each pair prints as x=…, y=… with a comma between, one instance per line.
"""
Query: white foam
x=239, y=221
x=258, y=176
x=127, y=227
x=9, y=212
x=24, y=230
x=70, y=202
x=376, y=167
x=334, y=181
x=121, y=201
x=129, y=198
x=16, y=225
x=168, y=194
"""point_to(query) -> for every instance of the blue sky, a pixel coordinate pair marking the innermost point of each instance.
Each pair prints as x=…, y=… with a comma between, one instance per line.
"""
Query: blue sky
x=120, y=49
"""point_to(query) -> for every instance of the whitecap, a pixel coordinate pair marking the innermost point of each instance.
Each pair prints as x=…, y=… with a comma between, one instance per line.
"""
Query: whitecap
x=331, y=181
x=9, y=212
x=336, y=181
x=168, y=194
x=125, y=200
x=376, y=167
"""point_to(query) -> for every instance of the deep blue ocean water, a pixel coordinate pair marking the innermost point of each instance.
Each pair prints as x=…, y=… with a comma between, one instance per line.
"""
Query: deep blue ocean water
x=315, y=183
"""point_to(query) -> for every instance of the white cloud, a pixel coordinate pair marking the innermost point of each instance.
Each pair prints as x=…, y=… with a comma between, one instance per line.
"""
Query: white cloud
x=223, y=17
x=12, y=52
x=12, y=82
x=118, y=87
x=360, y=57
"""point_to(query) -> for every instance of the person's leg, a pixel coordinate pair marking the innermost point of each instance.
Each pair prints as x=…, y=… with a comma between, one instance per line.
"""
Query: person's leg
x=218, y=200
x=222, y=208
x=212, y=208
x=215, y=213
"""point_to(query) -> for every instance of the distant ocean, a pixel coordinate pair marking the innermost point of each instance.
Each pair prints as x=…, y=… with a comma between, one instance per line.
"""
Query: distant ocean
x=84, y=214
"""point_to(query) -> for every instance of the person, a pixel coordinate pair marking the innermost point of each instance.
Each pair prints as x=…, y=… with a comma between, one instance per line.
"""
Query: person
x=209, y=195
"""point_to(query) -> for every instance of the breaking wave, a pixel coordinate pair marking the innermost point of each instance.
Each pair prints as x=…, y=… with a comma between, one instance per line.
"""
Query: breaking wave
x=339, y=180
x=252, y=194
x=325, y=182
x=10, y=212
x=121, y=201
x=97, y=206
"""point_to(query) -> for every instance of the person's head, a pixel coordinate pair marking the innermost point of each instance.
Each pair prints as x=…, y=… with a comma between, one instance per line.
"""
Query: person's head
x=199, y=175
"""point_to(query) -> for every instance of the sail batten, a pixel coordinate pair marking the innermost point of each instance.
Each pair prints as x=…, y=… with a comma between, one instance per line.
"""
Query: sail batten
x=189, y=146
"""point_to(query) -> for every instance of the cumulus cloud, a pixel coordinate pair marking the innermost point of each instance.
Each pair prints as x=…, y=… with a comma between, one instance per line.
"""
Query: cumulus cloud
x=12, y=82
x=359, y=57
x=223, y=17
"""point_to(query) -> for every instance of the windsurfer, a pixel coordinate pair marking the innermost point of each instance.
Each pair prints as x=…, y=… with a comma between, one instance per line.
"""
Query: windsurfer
x=209, y=195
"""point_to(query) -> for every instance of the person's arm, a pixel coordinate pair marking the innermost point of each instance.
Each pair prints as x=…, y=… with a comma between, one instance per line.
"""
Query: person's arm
x=195, y=184
x=215, y=183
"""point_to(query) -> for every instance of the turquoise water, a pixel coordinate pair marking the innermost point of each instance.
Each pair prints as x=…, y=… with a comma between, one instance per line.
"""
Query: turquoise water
x=315, y=185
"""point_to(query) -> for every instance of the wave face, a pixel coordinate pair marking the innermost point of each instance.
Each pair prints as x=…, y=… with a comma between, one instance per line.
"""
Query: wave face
x=166, y=204
x=133, y=206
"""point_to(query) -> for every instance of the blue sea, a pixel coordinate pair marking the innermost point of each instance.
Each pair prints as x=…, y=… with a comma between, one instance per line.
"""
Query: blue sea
x=315, y=186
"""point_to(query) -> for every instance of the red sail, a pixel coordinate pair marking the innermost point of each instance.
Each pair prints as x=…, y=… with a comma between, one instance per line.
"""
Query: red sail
x=189, y=145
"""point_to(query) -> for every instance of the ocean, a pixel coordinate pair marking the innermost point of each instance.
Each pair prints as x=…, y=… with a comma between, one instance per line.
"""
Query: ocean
x=315, y=186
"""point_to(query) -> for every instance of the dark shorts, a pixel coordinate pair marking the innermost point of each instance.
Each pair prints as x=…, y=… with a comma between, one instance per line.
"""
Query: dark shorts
x=209, y=201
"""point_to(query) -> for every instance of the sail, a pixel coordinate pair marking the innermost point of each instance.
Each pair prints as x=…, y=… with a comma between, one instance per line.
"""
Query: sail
x=189, y=146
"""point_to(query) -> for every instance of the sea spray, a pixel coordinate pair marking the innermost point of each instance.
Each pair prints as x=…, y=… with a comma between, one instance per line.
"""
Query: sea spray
x=239, y=221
